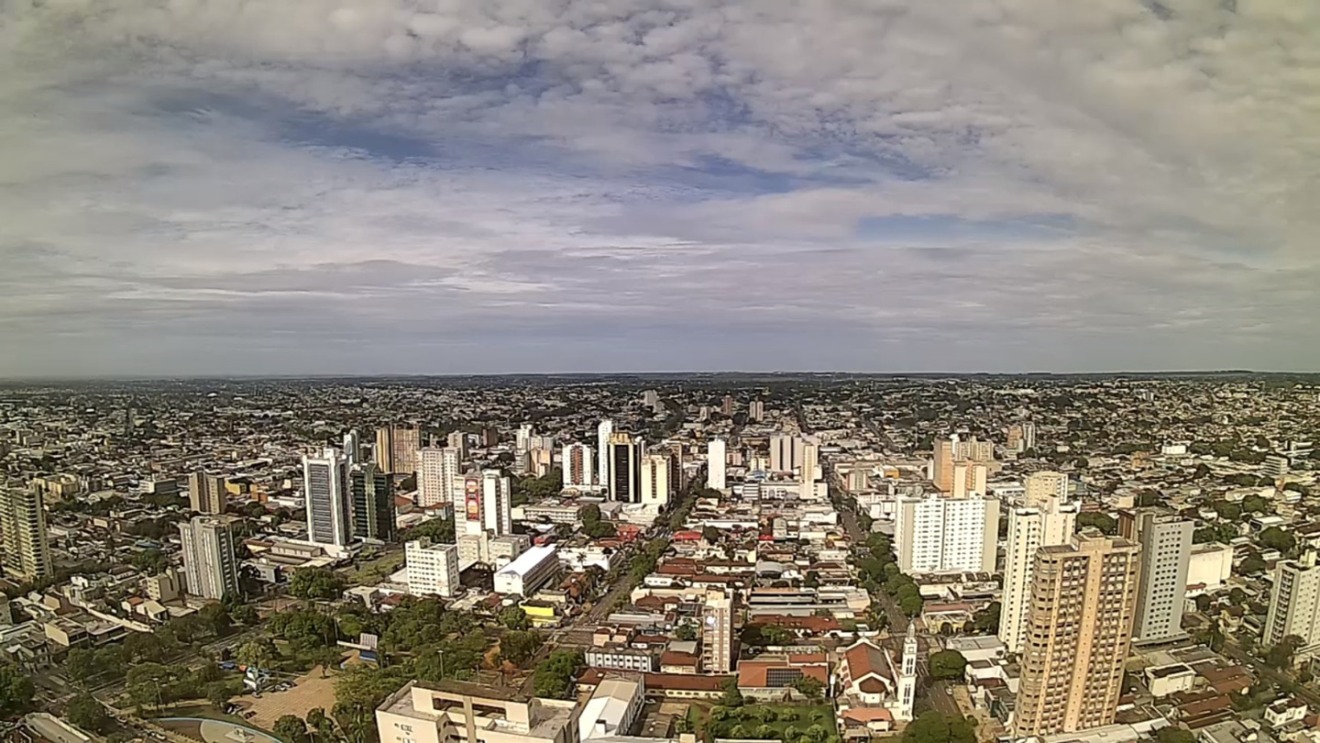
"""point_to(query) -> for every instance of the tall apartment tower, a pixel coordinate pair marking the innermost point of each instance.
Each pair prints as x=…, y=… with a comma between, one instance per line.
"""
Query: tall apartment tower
x=1049, y=523
x=717, y=634
x=1079, y=632
x=1295, y=604
x=576, y=463
x=1042, y=486
x=942, y=467
x=937, y=534
x=23, y=534
x=210, y=566
x=457, y=440
x=716, y=459
x=432, y=569
x=655, y=487
x=1166, y=550
x=352, y=448
x=373, y=503
x=727, y=405
x=969, y=478
x=206, y=494
x=325, y=484
x=437, y=472
x=604, y=432
x=488, y=507
x=808, y=469
x=625, y=468
x=785, y=452
x=396, y=449
x=756, y=411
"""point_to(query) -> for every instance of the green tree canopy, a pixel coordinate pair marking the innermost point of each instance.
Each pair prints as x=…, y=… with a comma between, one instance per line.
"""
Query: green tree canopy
x=317, y=584
x=84, y=712
x=947, y=664
x=1097, y=520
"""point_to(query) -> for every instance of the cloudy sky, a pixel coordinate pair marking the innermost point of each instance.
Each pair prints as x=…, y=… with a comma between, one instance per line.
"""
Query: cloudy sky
x=459, y=186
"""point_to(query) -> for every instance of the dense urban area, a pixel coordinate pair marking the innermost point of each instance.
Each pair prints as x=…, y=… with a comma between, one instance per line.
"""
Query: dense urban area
x=799, y=558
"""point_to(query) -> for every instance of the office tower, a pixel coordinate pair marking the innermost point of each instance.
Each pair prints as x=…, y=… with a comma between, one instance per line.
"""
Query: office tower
x=1042, y=486
x=655, y=480
x=210, y=566
x=969, y=478
x=756, y=411
x=432, y=569
x=726, y=405
x=1079, y=631
x=938, y=534
x=23, y=534
x=458, y=442
x=437, y=471
x=1295, y=604
x=717, y=634
x=716, y=458
x=785, y=452
x=1166, y=549
x=1049, y=523
x=941, y=472
x=373, y=503
x=396, y=449
x=326, y=493
x=576, y=465
x=523, y=440
x=206, y=494
x=625, y=468
x=352, y=448
x=603, y=433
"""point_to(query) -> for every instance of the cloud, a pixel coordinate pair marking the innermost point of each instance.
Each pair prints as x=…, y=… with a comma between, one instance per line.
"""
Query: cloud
x=213, y=186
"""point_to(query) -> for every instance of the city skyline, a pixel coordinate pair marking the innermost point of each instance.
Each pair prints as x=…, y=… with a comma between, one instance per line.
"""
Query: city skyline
x=507, y=186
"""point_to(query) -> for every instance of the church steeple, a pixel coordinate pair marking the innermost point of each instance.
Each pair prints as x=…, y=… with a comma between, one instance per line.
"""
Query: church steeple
x=907, y=679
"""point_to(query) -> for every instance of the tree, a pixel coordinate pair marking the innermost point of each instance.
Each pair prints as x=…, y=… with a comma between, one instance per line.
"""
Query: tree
x=686, y=632
x=1174, y=735
x=987, y=619
x=1226, y=510
x=1203, y=603
x=515, y=618
x=812, y=579
x=1252, y=564
x=732, y=698
x=291, y=729
x=710, y=534
x=517, y=647
x=933, y=727
x=1097, y=520
x=80, y=666
x=218, y=694
x=1276, y=538
x=257, y=653
x=244, y=614
x=809, y=687
x=1281, y=655
x=554, y=678
x=317, y=584
x=216, y=618
x=947, y=664
x=1255, y=504
x=83, y=711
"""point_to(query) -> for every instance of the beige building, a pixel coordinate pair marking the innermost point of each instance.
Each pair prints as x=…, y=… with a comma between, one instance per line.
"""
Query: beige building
x=655, y=480
x=458, y=712
x=23, y=534
x=396, y=449
x=942, y=468
x=206, y=494
x=1083, y=602
x=1050, y=522
x=1042, y=486
x=717, y=654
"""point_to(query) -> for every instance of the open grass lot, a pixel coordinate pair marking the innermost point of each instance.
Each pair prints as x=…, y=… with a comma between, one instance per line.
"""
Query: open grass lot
x=309, y=691
x=791, y=723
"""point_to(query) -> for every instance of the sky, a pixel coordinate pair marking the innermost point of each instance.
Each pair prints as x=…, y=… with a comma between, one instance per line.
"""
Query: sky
x=218, y=187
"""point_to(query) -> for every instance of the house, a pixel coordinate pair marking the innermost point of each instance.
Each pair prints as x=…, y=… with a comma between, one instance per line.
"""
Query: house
x=1285, y=712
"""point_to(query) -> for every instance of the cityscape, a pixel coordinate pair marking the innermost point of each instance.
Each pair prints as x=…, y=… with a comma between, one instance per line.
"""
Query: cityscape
x=803, y=558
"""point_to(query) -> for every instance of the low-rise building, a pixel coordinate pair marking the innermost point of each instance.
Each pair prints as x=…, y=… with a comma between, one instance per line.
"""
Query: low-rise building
x=458, y=712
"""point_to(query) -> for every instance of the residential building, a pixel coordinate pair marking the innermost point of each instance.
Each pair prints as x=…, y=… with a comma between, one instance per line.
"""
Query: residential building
x=604, y=432
x=810, y=469
x=968, y=479
x=210, y=567
x=438, y=471
x=1042, y=486
x=939, y=534
x=756, y=411
x=1275, y=466
x=1050, y=523
x=717, y=653
x=432, y=569
x=785, y=452
x=373, y=503
x=206, y=494
x=1295, y=605
x=327, y=499
x=457, y=440
x=461, y=712
x=625, y=468
x=1166, y=548
x=577, y=464
x=1079, y=632
x=23, y=534
x=396, y=449
x=942, y=465
x=973, y=450
x=655, y=489
x=716, y=462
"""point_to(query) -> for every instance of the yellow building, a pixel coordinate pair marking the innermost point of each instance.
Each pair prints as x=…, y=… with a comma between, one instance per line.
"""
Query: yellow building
x=541, y=613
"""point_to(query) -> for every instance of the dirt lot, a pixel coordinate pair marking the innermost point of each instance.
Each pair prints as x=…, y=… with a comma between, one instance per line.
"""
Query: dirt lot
x=309, y=691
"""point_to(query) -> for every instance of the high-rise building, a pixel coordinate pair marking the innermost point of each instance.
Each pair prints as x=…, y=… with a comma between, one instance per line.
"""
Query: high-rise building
x=603, y=433
x=437, y=472
x=373, y=503
x=396, y=449
x=210, y=566
x=938, y=534
x=1049, y=523
x=352, y=448
x=655, y=489
x=1021, y=437
x=973, y=450
x=206, y=494
x=577, y=465
x=717, y=654
x=969, y=478
x=23, y=534
x=432, y=569
x=727, y=405
x=809, y=468
x=487, y=505
x=625, y=468
x=651, y=398
x=325, y=484
x=1295, y=605
x=941, y=470
x=457, y=441
x=785, y=452
x=1166, y=550
x=756, y=411
x=716, y=459
x=1043, y=486
x=907, y=677
x=1079, y=632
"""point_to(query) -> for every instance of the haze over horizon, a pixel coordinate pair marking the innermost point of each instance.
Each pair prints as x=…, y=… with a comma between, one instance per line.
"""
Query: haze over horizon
x=377, y=187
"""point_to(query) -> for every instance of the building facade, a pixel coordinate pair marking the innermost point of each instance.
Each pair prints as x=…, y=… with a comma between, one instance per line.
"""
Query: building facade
x=716, y=462
x=1295, y=605
x=373, y=504
x=23, y=534
x=1050, y=523
x=432, y=569
x=939, y=534
x=210, y=566
x=717, y=653
x=325, y=485
x=625, y=468
x=577, y=462
x=655, y=488
x=1166, y=549
x=206, y=494
x=437, y=472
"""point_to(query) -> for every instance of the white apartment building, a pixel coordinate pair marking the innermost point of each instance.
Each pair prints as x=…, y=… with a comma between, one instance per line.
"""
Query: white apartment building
x=603, y=433
x=210, y=567
x=969, y=478
x=939, y=534
x=1050, y=523
x=437, y=473
x=432, y=569
x=655, y=480
x=716, y=460
x=785, y=452
x=1295, y=605
x=1166, y=547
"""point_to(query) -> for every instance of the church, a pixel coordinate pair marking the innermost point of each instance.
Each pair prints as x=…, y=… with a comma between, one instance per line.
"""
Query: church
x=875, y=689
